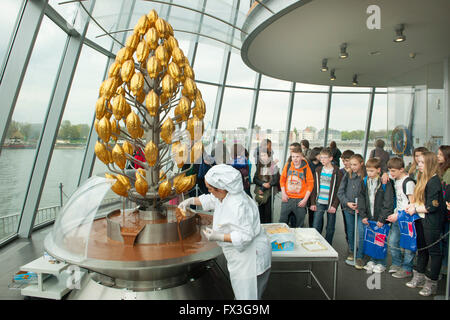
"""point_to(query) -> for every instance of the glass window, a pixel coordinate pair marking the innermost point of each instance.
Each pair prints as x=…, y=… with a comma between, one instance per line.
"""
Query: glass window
x=351, y=89
x=16, y=159
x=71, y=141
x=208, y=62
x=270, y=121
x=348, y=121
x=67, y=10
x=310, y=87
x=308, y=118
x=235, y=102
x=379, y=124
x=272, y=83
x=209, y=94
x=8, y=19
x=239, y=74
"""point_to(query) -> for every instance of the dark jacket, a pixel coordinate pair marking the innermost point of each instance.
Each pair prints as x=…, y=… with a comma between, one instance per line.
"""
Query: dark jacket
x=274, y=179
x=383, y=205
x=349, y=189
x=382, y=155
x=434, y=203
x=336, y=157
x=334, y=187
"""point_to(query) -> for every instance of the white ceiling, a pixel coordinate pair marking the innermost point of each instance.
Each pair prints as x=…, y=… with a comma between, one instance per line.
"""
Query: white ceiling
x=293, y=46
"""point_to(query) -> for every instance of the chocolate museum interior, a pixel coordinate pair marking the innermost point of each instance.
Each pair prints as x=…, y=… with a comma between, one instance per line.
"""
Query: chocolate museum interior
x=105, y=101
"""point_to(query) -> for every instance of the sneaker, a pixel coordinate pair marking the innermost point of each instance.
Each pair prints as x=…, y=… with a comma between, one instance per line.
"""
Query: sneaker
x=394, y=269
x=379, y=268
x=417, y=281
x=369, y=266
x=359, y=264
x=350, y=262
x=350, y=256
x=401, y=274
x=429, y=288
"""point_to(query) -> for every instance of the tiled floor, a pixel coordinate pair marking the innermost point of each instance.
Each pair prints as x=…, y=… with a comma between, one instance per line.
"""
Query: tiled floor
x=352, y=283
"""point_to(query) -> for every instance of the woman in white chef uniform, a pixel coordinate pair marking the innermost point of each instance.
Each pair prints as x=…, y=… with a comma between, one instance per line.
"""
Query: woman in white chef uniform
x=237, y=229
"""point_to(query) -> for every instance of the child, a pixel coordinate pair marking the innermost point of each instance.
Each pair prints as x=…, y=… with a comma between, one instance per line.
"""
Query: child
x=297, y=183
x=376, y=203
x=324, y=196
x=314, y=163
x=347, y=194
x=429, y=205
x=443, y=157
x=402, y=263
x=346, y=161
x=413, y=170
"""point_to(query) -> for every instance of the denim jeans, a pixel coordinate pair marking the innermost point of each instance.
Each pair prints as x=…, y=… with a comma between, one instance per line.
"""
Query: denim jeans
x=292, y=206
x=318, y=222
x=445, y=244
x=350, y=223
x=360, y=251
x=403, y=258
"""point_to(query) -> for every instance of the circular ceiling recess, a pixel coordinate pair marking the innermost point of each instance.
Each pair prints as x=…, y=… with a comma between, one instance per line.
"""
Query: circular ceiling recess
x=292, y=44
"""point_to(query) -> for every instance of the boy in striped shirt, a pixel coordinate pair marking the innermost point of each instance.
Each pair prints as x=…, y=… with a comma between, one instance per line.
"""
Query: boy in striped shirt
x=324, y=195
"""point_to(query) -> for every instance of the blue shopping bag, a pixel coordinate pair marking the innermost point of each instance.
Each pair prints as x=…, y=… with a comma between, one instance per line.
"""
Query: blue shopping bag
x=375, y=240
x=408, y=235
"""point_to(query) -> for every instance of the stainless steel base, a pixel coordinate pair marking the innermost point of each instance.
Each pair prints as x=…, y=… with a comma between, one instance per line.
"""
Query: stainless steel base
x=207, y=283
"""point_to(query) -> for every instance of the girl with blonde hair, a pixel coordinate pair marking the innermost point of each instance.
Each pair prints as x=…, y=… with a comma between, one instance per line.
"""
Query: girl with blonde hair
x=429, y=205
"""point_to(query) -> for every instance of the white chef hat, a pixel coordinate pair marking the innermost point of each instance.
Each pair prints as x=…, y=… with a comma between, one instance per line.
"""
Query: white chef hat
x=225, y=177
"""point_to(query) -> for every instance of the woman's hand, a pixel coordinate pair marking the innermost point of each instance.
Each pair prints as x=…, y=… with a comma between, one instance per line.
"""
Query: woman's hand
x=186, y=203
x=212, y=235
x=365, y=221
x=392, y=218
x=411, y=209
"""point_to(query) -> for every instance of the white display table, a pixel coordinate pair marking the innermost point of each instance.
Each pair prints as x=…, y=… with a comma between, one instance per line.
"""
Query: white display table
x=310, y=247
x=54, y=287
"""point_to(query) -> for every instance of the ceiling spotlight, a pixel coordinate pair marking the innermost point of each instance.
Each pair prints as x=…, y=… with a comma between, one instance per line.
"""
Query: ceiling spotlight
x=332, y=75
x=324, y=65
x=343, y=54
x=355, y=80
x=399, y=36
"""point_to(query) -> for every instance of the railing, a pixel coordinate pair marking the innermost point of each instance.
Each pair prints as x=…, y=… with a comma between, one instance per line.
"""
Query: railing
x=9, y=224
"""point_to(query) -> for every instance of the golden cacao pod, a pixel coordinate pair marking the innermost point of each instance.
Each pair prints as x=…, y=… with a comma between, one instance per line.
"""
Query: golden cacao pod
x=152, y=38
x=182, y=110
x=161, y=27
x=119, y=107
x=133, y=124
x=199, y=109
x=108, y=87
x=195, y=128
x=168, y=85
x=124, y=180
x=165, y=189
x=188, y=72
x=115, y=129
x=127, y=148
x=140, y=97
x=172, y=42
x=127, y=70
x=118, y=156
x=132, y=41
x=142, y=51
x=137, y=83
x=152, y=103
x=197, y=152
x=153, y=67
x=151, y=153
x=124, y=54
x=101, y=152
x=162, y=54
x=96, y=125
x=104, y=129
x=174, y=71
x=179, y=153
x=100, y=108
x=142, y=25
x=152, y=16
x=189, y=88
x=114, y=69
x=167, y=130
x=121, y=91
x=178, y=56
x=141, y=185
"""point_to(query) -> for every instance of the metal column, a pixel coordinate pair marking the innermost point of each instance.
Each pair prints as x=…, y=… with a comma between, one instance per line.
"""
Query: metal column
x=327, y=117
x=288, y=122
x=368, y=122
x=50, y=130
x=18, y=60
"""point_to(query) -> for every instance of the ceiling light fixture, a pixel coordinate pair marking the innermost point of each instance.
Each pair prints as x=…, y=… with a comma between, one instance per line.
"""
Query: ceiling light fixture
x=324, y=65
x=343, y=54
x=332, y=75
x=355, y=80
x=399, y=36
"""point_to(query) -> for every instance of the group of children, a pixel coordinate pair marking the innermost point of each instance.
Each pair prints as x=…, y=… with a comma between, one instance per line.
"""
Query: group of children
x=369, y=196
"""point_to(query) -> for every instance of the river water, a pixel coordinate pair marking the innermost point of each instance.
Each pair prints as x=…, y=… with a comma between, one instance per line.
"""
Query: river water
x=15, y=170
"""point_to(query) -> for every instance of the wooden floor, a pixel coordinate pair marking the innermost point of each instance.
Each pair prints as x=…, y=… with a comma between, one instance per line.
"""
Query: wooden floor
x=352, y=283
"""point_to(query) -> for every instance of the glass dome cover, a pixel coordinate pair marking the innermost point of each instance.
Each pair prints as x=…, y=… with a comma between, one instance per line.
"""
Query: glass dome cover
x=73, y=225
